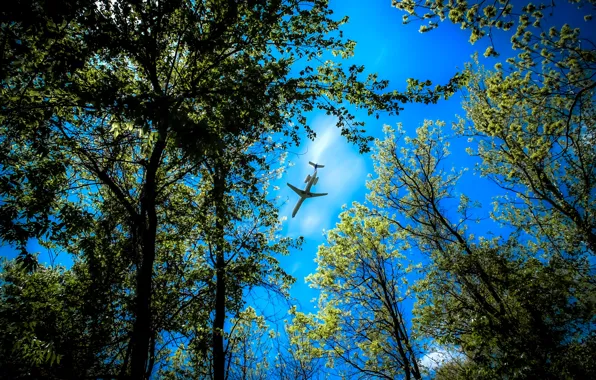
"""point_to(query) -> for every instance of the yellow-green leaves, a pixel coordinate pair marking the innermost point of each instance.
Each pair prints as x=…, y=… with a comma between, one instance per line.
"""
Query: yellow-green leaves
x=531, y=122
x=479, y=18
x=490, y=52
x=532, y=126
x=362, y=278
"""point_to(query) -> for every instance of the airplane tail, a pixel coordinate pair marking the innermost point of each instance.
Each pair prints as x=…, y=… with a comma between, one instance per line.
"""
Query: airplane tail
x=316, y=165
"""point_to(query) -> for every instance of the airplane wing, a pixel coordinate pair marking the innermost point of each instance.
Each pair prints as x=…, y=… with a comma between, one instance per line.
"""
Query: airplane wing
x=297, y=207
x=298, y=191
x=312, y=195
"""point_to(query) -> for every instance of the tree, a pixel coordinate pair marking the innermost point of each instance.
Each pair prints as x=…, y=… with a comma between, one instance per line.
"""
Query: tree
x=250, y=346
x=513, y=310
x=362, y=325
x=535, y=136
x=298, y=352
x=238, y=227
x=56, y=323
x=502, y=17
x=483, y=19
x=115, y=106
x=530, y=122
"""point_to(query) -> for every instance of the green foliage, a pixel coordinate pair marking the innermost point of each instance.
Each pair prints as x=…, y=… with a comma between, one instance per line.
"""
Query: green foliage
x=133, y=136
x=519, y=305
x=480, y=18
x=516, y=306
x=303, y=356
x=140, y=138
x=250, y=343
x=361, y=327
x=55, y=323
x=523, y=24
x=535, y=138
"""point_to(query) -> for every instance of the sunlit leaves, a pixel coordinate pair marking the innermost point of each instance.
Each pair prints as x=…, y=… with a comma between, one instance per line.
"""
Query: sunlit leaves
x=480, y=18
x=362, y=276
x=534, y=130
x=497, y=298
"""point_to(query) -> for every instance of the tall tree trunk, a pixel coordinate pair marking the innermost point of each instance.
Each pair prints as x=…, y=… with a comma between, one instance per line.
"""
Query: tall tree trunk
x=142, y=329
x=398, y=325
x=220, y=285
x=141, y=332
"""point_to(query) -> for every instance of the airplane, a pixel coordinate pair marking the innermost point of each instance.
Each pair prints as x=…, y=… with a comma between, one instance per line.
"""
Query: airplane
x=310, y=182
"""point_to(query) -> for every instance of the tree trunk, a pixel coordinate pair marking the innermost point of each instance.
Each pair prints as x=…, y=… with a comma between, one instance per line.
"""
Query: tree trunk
x=141, y=332
x=220, y=285
x=142, y=329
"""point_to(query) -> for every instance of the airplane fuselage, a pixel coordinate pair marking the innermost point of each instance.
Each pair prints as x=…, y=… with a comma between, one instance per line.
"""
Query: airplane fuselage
x=311, y=182
x=306, y=190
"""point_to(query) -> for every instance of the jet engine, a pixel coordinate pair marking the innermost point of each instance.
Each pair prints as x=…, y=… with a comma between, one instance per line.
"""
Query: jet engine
x=316, y=180
x=307, y=178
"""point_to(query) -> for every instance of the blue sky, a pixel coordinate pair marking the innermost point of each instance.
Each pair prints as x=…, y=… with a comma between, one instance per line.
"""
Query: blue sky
x=396, y=52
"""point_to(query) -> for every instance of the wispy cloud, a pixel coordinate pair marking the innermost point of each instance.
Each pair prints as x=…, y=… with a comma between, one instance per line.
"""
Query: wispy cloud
x=438, y=357
x=381, y=56
x=342, y=177
x=295, y=267
x=432, y=360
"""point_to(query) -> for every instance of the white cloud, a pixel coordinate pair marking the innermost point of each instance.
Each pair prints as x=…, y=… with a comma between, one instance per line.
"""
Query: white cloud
x=381, y=56
x=295, y=267
x=342, y=177
x=438, y=357
x=433, y=360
